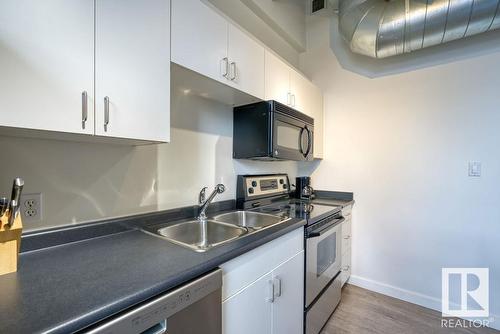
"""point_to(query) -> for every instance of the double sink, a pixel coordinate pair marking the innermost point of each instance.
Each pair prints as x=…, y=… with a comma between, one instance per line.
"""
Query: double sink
x=201, y=235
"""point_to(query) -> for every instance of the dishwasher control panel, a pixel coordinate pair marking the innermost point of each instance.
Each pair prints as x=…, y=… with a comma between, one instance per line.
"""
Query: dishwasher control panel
x=152, y=316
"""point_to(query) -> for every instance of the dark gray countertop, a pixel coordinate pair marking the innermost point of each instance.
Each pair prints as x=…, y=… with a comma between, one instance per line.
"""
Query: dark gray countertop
x=333, y=202
x=335, y=198
x=65, y=288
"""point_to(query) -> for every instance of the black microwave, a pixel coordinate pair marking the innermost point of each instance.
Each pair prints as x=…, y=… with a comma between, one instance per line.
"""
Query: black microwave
x=270, y=130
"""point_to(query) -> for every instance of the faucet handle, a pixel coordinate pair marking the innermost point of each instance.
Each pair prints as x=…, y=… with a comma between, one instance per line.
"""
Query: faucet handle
x=203, y=195
x=220, y=188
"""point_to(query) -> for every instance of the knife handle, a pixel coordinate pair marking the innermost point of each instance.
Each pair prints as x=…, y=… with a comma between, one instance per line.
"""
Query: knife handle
x=4, y=205
x=17, y=189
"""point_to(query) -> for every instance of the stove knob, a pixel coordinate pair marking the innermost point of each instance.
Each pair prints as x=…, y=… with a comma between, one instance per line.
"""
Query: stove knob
x=282, y=181
x=284, y=186
x=254, y=183
x=250, y=190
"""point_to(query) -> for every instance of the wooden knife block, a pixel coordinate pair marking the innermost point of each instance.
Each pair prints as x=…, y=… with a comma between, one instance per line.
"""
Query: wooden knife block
x=10, y=243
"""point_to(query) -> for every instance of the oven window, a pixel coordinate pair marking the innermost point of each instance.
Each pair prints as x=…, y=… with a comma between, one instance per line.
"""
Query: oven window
x=326, y=253
x=288, y=136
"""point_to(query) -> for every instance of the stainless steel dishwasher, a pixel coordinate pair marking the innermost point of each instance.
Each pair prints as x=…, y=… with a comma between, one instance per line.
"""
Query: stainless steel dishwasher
x=193, y=308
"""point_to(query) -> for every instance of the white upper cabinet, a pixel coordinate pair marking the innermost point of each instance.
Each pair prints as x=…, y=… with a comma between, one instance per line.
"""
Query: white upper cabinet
x=47, y=65
x=205, y=42
x=308, y=99
x=199, y=39
x=246, y=63
x=317, y=114
x=133, y=69
x=286, y=85
x=59, y=59
x=300, y=90
x=277, y=79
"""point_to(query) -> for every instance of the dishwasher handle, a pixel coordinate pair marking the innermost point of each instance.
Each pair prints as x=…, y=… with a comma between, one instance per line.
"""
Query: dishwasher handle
x=159, y=328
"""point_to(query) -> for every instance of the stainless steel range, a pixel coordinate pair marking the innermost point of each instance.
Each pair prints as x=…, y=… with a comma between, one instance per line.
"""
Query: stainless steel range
x=322, y=240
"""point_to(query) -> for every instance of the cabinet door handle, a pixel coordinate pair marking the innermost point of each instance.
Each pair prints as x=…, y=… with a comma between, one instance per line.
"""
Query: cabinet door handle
x=106, y=113
x=232, y=69
x=225, y=66
x=293, y=100
x=278, y=289
x=347, y=237
x=289, y=99
x=271, y=292
x=346, y=268
x=85, y=108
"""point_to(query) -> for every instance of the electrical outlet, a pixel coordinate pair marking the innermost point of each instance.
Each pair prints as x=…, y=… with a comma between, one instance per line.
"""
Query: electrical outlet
x=31, y=207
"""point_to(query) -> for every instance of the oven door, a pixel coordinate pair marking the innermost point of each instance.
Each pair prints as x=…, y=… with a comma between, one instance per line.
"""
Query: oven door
x=292, y=139
x=323, y=255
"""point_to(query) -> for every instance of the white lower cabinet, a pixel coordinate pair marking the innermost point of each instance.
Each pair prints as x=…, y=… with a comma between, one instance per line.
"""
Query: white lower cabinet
x=249, y=311
x=288, y=305
x=346, y=245
x=263, y=289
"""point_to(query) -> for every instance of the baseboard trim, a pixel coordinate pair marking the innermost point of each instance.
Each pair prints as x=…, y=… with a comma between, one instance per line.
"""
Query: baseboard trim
x=407, y=295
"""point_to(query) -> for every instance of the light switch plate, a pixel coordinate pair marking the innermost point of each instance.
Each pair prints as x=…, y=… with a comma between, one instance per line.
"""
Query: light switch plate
x=474, y=168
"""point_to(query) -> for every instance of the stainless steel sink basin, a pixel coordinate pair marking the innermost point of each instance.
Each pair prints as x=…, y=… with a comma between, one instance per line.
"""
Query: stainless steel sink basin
x=201, y=236
x=249, y=219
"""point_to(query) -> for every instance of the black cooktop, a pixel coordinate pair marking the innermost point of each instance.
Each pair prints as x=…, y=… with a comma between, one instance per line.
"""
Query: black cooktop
x=300, y=209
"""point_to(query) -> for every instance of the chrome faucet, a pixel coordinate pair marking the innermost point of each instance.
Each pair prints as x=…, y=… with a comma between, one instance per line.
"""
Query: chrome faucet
x=205, y=202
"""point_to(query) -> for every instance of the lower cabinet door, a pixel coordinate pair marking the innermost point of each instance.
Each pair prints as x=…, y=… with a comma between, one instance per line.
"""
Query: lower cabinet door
x=249, y=311
x=288, y=306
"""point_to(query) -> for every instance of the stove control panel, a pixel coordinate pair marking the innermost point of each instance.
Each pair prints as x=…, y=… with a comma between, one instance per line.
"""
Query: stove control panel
x=257, y=186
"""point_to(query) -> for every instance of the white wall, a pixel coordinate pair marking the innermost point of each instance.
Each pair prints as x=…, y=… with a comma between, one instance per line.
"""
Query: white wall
x=86, y=181
x=402, y=144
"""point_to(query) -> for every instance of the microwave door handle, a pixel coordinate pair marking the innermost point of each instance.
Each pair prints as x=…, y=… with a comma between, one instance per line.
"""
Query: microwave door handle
x=300, y=141
x=321, y=231
x=309, y=142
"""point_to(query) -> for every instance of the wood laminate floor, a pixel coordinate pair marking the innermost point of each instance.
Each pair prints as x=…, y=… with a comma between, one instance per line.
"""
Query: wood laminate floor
x=365, y=312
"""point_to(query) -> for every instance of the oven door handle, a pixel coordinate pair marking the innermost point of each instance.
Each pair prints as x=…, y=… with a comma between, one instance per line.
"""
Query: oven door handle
x=323, y=229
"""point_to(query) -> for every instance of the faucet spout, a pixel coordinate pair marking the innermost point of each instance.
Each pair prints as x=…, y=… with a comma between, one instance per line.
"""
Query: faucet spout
x=219, y=189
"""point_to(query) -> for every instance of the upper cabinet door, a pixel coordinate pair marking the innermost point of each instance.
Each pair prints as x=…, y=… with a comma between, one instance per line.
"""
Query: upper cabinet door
x=133, y=69
x=246, y=63
x=300, y=89
x=317, y=112
x=47, y=65
x=199, y=39
x=277, y=84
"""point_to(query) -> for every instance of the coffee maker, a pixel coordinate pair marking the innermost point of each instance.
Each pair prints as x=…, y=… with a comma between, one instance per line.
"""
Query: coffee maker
x=303, y=189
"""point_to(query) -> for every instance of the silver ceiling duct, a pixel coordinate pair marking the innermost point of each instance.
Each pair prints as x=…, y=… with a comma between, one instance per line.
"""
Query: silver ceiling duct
x=383, y=28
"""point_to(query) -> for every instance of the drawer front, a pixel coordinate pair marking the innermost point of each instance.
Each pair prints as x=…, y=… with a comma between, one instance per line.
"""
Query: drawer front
x=346, y=235
x=346, y=245
x=344, y=276
x=346, y=259
x=240, y=272
x=346, y=266
x=347, y=227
